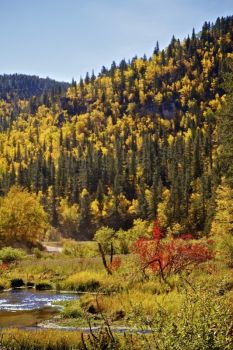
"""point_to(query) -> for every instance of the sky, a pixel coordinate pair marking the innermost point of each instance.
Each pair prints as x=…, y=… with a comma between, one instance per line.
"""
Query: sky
x=63, y=39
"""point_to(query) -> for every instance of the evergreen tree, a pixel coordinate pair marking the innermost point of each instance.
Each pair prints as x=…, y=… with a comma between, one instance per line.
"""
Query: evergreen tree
x=225, y=122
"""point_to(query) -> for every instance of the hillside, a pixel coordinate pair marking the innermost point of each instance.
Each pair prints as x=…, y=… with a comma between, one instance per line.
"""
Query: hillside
x=138, y=141
x=25, y=86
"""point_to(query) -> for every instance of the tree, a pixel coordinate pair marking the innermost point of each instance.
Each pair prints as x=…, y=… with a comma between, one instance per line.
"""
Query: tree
x=225, y=122
x=68, y=218
x=105, y=239
x=222, y=224
x=140, y=138
x=156, y=49
x=105, y=236
x=84, y=214
x=163, y=211
x=23, y=220
x=223, y=218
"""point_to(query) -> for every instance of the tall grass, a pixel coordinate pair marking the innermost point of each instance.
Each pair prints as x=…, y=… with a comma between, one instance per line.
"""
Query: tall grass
x=16, y=339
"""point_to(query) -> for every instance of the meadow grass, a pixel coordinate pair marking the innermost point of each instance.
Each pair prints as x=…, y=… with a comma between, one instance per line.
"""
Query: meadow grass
x=16, y=339
x=129, y=298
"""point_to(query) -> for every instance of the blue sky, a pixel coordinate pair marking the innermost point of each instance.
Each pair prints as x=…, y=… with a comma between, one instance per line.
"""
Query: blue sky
x=66, y=38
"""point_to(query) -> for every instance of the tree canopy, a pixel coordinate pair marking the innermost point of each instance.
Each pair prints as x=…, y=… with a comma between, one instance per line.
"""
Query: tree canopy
x=23, y=220
x=139, y=141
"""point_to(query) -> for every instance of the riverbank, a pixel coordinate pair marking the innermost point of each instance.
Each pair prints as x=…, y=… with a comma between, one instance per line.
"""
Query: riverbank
x=127, y=301
x=51, y=324
x=28, y=307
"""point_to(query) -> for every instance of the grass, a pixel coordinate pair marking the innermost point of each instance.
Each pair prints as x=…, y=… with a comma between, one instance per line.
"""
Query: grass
x=51, y=267
x=53, y=340
x=202, y=296
x=193, y=320
x=16, y=339
x=84, y=281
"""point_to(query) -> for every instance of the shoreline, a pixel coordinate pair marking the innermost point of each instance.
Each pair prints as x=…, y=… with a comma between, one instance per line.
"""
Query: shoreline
x=118, y=329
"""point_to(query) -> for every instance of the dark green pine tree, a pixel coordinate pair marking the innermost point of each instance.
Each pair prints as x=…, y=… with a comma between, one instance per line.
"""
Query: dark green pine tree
x=37, y=173
x=225, y=124
x=147, y=159
x=187, y=162
x=156, y=49
x=156, y=194
x=53, y=208
x=85, y=221
x=61, y=178
x=23, y=178
x=197, y=160
x=142, y=203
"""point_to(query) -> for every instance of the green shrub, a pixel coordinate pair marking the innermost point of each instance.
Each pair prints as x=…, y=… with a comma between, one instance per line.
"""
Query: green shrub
x=44, y=286
x=17, y=283
x=201, y=321
x=79, y=249
x=224, y=248
x=123, y=240
x=89, y=286
x=72, y=310
x=9, y=254
x=38, y=253
x=84, y=281
x=4, y=284
x=30, y=284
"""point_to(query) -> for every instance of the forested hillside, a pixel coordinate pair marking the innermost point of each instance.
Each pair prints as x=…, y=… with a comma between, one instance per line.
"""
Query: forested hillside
x=25, y=86
x=144, y=139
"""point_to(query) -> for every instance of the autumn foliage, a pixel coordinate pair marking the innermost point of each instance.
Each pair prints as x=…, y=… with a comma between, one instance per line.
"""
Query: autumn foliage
x=4, y=267
x=115, y=264
x=167, y=257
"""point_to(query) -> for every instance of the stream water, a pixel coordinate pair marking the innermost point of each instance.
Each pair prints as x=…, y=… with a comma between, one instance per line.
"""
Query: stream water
x=27, y=308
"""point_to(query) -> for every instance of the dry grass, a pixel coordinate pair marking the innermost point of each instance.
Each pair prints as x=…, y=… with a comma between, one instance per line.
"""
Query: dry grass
x=50, y=339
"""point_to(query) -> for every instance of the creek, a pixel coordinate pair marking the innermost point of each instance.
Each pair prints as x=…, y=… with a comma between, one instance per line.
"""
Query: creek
x=27, y=308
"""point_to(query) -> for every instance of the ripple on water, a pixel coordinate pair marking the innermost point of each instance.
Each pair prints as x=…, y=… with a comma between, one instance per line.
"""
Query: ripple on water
x=31, y=300
x=27, y=308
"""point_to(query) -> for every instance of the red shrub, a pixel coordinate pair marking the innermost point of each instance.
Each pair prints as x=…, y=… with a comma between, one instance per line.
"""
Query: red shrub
x=186, y=236
x=3, y=267
x=116, y=263
x=156, y=231
x=172, y=256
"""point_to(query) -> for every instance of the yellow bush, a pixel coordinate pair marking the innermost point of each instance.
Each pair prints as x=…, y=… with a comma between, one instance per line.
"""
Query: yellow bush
x=84, y=281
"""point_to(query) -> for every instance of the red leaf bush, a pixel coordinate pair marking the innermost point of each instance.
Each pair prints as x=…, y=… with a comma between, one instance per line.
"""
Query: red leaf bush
x=116, y=263
x=173, y=256
x=4, y=267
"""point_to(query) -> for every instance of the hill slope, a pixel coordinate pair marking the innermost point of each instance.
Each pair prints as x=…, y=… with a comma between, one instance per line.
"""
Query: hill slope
x=25, y=86
x=138, y=141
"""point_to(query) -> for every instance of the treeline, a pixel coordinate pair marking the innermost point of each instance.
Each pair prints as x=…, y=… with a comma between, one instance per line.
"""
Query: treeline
x=24, y=86
x=141, y=140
